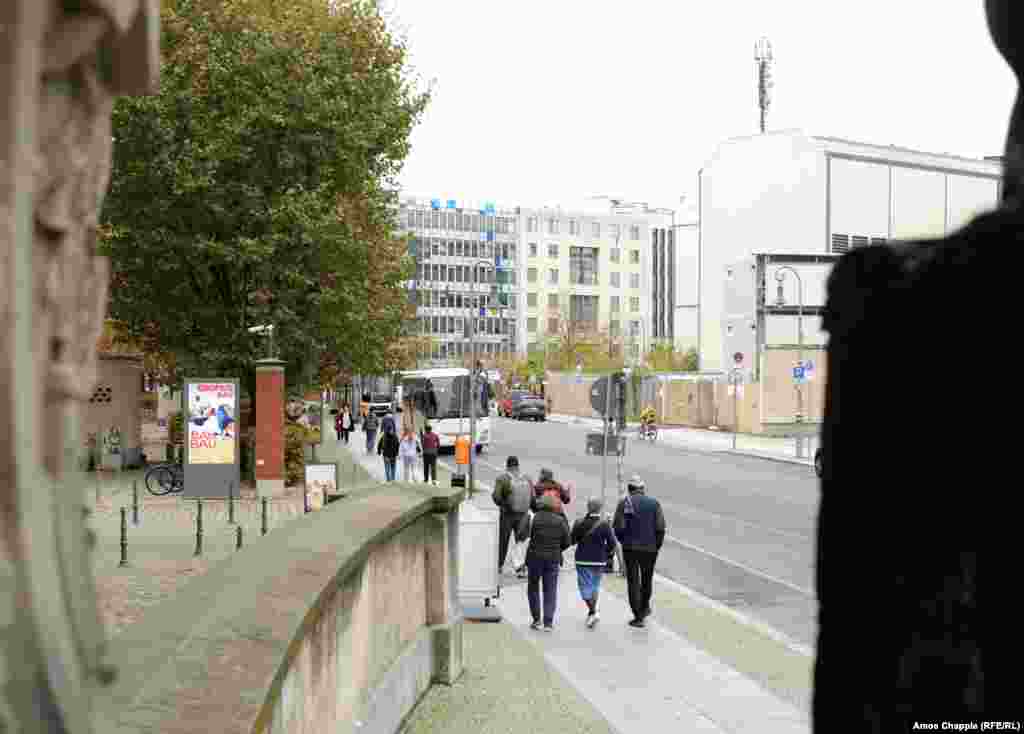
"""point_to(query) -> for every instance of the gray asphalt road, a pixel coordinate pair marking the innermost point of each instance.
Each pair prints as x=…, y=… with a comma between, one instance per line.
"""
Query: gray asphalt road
x=741, y=530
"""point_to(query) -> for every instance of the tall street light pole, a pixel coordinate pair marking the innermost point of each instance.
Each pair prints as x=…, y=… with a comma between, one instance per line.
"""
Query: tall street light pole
x=763, y=58
x=475, y=385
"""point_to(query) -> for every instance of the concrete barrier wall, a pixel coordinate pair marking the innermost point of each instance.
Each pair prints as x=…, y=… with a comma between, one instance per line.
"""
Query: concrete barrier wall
x=338, y=621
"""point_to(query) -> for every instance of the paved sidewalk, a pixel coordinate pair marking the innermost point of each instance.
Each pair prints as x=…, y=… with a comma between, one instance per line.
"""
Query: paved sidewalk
x=700, y=439
x=637, y=680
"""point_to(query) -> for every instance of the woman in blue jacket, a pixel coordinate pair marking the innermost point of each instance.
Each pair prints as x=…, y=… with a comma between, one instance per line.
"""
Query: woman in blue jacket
x=595, y=543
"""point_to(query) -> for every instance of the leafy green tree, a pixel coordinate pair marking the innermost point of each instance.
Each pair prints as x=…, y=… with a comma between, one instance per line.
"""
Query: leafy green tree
x=257, y=187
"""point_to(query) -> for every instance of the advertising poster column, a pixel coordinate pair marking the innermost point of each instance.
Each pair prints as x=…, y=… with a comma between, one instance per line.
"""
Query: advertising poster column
x=211, y=437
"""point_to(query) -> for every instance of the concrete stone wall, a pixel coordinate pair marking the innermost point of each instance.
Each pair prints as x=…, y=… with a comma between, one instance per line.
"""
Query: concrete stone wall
x=338, y=621
x=116, y=401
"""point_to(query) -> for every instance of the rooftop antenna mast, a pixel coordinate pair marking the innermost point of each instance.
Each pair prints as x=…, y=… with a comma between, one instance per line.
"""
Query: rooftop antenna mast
x=764, y=59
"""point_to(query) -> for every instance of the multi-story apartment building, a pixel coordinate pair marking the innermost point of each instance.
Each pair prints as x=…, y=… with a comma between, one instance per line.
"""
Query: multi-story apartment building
x=590, y=272
x=466, y=268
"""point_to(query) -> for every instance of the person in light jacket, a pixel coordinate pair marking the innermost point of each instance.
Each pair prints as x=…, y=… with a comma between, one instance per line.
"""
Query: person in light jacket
x=408, y=450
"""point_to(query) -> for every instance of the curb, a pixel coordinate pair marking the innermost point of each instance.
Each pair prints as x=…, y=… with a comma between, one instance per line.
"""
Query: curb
x=768, y=457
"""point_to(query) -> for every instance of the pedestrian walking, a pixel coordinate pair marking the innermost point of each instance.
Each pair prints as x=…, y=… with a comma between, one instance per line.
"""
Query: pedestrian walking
x=640, y=527
x=388, y=447
x=431, y=444
x=549, y=537
x=546, y=485
x=595, y=544
x=408, y=450
x=389, y=422
x=346, y=423
x=513, y=494
x=370, y=425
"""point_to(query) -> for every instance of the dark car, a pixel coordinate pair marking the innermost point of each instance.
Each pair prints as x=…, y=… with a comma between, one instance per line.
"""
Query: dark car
x=819, y=463
x=531, y=407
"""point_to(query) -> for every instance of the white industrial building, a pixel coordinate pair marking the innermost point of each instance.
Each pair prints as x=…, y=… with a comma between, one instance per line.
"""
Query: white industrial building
x=790, y=193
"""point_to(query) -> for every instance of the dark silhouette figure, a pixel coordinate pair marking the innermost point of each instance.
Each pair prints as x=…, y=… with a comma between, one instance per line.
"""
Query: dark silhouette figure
x=917, y=564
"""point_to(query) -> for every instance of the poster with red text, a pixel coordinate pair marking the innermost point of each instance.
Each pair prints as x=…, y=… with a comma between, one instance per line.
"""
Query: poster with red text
x=211, y=422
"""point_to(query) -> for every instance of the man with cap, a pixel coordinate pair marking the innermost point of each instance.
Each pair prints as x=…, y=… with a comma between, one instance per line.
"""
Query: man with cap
x=640, y=528
x=513, y=493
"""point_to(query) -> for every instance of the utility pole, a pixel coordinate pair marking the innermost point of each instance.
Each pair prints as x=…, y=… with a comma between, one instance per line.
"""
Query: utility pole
x=763, y=58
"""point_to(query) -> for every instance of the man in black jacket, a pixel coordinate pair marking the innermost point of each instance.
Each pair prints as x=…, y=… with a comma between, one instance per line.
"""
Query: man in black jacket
x=549, y=537
x=640, y=527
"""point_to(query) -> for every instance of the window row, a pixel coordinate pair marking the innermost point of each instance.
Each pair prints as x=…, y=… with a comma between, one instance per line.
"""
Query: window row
x=459, y=325
x=614, y=253
x=441, y=299
x=552, y=225
x=459, y=221
x=451, y=350
x=554, y=324
x=583, y=272
x=460, y=248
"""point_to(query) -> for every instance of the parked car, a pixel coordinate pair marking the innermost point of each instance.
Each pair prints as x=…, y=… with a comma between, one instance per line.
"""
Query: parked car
x=529, y=407
x=510, y=400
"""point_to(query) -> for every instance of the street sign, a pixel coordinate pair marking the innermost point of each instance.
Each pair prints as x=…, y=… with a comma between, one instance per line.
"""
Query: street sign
x=798, y=373
x=599, y=394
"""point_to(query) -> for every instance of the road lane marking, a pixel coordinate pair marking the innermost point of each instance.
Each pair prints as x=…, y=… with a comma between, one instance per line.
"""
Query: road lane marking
x=691, y=510
x=742, y=566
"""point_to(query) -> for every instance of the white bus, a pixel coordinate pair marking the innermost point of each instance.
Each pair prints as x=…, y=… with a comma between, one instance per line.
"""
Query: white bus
x=441, y=397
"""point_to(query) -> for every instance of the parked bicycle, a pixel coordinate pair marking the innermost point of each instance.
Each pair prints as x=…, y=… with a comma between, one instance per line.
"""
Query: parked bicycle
x=165, y=478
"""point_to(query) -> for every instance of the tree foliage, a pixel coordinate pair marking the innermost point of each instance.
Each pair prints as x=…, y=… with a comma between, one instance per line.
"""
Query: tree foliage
x=257, y=187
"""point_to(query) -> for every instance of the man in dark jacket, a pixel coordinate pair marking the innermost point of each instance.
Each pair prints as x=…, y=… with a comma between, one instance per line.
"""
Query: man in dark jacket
x=388, y=448
x=370, y=425
x=595, y=543
x=640, y=527
x=431, y=445
x=549, y=537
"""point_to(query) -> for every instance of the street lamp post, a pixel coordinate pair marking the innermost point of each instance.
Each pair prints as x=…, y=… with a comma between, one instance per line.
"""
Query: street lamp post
x=474, y=381
x=780, y=300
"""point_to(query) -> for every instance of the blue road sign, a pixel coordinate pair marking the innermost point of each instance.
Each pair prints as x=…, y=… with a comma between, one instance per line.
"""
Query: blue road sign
x=798, y=373
x=435, y=203
x=451, y=204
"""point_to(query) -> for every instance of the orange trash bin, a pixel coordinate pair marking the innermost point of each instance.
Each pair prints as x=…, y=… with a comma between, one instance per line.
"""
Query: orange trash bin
x=462, y=450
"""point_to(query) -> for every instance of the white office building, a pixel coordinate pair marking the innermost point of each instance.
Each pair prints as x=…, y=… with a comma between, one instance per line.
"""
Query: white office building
x=790, y=193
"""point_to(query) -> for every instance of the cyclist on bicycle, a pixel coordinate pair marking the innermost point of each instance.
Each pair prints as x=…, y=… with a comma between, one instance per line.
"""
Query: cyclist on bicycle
x=647, y=426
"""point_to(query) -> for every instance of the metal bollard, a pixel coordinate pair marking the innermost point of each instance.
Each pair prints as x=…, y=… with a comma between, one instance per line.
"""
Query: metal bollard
x=124, y=537
x=238, y=537
x=231, y=503
x=199, y=526
x=263, y=523
x=135, y=502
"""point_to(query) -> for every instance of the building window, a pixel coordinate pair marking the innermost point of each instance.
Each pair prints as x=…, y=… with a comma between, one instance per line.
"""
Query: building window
x=634, y=304
x=634, y=257
x=553, y=326
x=583, y=311
x=435, y=220
x=634, y=231
x=634, y=328
x=458, y=249
x=615, y=304
x=634, y=280
x=573, y=227
x=552, y=300
x=615, y=279
x=533, y=249
x=531, y=224
x=553, y=276
x=595, y=229
x=615, y=231
x=583, y=268
x=552, y=250
x=613, y=328
x=552, y=225
x=531, y=300
x=615, y=254
x=531, y=325
x=531, y=275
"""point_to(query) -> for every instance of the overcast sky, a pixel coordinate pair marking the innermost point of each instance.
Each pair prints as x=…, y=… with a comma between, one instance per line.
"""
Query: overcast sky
x=545, y=101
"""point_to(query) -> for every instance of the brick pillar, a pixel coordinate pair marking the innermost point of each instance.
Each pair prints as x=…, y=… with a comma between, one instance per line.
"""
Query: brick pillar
x=269, y=427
